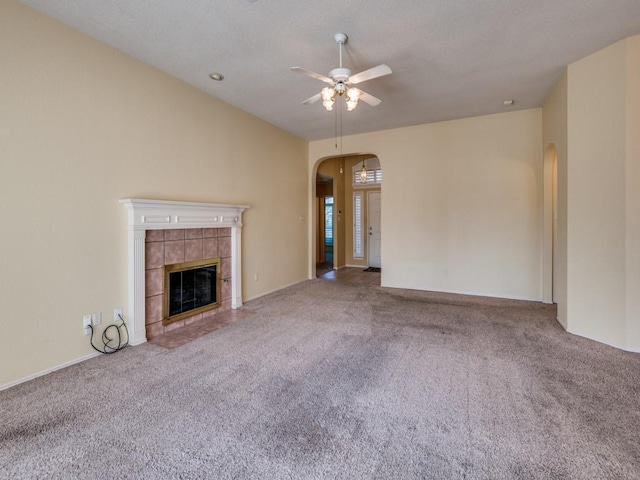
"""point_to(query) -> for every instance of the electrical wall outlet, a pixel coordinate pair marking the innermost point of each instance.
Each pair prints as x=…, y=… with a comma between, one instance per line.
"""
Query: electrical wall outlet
x=117, y=313
x=86, y=322
x=96, y=318
x=256, y=277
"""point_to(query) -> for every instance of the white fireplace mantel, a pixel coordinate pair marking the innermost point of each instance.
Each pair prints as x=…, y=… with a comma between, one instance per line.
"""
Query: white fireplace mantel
x=163, y=215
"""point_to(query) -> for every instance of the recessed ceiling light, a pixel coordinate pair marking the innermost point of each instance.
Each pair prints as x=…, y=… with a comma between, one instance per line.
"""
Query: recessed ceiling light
x=218, y=77
x=507, y=103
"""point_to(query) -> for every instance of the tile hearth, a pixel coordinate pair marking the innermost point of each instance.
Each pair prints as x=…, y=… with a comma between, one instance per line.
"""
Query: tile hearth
x=198, y=329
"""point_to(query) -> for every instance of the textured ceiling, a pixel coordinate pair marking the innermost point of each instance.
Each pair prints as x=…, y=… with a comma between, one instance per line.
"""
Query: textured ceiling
x=450, y=59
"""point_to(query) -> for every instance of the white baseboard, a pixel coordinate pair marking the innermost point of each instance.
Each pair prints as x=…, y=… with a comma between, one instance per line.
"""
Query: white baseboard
x=588, y=337
x=275, y=290
x=472, y=294
x=49, y=370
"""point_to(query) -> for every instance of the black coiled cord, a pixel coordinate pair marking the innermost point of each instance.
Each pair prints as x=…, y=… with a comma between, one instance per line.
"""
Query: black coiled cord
x=110, y=347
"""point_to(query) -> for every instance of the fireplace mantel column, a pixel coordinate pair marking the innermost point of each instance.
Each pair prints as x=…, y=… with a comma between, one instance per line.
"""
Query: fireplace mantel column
x=236, y=267
x=146, y=215
x=137, y=330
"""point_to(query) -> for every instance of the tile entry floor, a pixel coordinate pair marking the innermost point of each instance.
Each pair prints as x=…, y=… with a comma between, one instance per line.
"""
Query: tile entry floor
x=352, y=275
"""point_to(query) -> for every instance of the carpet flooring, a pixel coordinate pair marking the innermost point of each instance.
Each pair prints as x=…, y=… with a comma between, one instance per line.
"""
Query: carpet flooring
x=325, y=380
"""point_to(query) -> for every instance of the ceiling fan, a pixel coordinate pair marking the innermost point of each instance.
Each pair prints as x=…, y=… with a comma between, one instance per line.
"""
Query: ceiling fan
x=342, y=82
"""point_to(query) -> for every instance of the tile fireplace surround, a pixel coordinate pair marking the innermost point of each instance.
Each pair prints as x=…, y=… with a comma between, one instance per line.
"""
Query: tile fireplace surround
x=167, y=247
x=196, y=220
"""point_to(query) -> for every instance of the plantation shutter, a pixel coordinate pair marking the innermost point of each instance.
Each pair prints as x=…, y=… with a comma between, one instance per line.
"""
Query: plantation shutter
x=358, y=240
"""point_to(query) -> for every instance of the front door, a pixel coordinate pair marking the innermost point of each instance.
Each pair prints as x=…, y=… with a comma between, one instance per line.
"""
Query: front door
x=375, y=234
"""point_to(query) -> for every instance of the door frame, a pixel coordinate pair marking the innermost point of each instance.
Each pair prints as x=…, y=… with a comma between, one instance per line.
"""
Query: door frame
x=369, y=193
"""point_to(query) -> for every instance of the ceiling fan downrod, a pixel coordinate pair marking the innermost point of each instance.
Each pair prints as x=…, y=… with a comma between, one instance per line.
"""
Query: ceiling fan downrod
x=340, y=74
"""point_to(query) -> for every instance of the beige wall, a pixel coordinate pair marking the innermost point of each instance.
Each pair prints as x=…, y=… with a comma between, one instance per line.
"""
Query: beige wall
x=554, y=134
x=633, y=192
x=461, y=208
x=82, y=126
x=603, y=172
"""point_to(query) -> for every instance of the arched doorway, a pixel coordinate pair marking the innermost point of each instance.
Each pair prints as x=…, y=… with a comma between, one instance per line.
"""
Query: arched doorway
x=550, y=225
x=351, y=183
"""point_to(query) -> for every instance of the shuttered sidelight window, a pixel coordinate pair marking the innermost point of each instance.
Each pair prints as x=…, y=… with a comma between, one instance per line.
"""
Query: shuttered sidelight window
x=358, y=240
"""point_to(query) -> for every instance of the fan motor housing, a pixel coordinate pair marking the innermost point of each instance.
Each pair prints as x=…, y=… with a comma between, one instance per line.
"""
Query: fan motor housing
x=340, y=74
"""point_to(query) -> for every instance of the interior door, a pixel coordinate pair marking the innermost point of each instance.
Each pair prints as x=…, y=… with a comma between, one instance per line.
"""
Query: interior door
x=375, y=234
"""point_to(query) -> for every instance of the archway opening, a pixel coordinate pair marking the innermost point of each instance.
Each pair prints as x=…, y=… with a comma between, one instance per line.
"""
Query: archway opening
x=345, y=188
x=550, y=225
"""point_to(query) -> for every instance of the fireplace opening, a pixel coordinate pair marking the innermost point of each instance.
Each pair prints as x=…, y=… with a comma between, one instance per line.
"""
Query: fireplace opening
x=190, y=288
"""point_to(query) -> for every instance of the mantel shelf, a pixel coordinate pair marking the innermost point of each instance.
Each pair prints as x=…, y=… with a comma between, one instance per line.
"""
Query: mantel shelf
x=147, y=214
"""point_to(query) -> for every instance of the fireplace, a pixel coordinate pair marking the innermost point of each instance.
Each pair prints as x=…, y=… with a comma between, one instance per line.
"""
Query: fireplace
x=162, y=232
x=190, y=288
x=179, y=249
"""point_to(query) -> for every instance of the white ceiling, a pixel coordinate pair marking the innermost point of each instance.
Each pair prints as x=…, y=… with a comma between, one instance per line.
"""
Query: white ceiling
x=450, y=58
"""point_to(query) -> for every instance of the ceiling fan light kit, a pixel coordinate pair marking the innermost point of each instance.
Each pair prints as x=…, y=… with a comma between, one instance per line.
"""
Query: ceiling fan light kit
x=341, y=81
x=328, y=97
x=353, y=94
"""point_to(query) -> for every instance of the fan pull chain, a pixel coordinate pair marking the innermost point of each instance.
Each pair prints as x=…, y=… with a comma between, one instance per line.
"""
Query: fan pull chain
x=340, y=115
x=335, y=128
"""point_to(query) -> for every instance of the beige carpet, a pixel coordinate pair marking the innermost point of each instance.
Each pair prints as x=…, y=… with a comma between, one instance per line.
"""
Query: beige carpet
x=331, y=380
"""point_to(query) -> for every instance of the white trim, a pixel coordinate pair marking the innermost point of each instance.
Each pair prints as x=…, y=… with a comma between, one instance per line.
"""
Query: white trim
x=367, y=228
x=356, y=266
x=472, y=294
x=276, y=289
x=49, y=370
x=165, y=214
x=146, y=215
x=599, y=340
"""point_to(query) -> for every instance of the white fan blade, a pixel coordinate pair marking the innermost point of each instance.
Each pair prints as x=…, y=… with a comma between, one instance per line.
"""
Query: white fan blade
x=311, y=74
x=313, y=99
x=369, y=99
x=375, y=72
